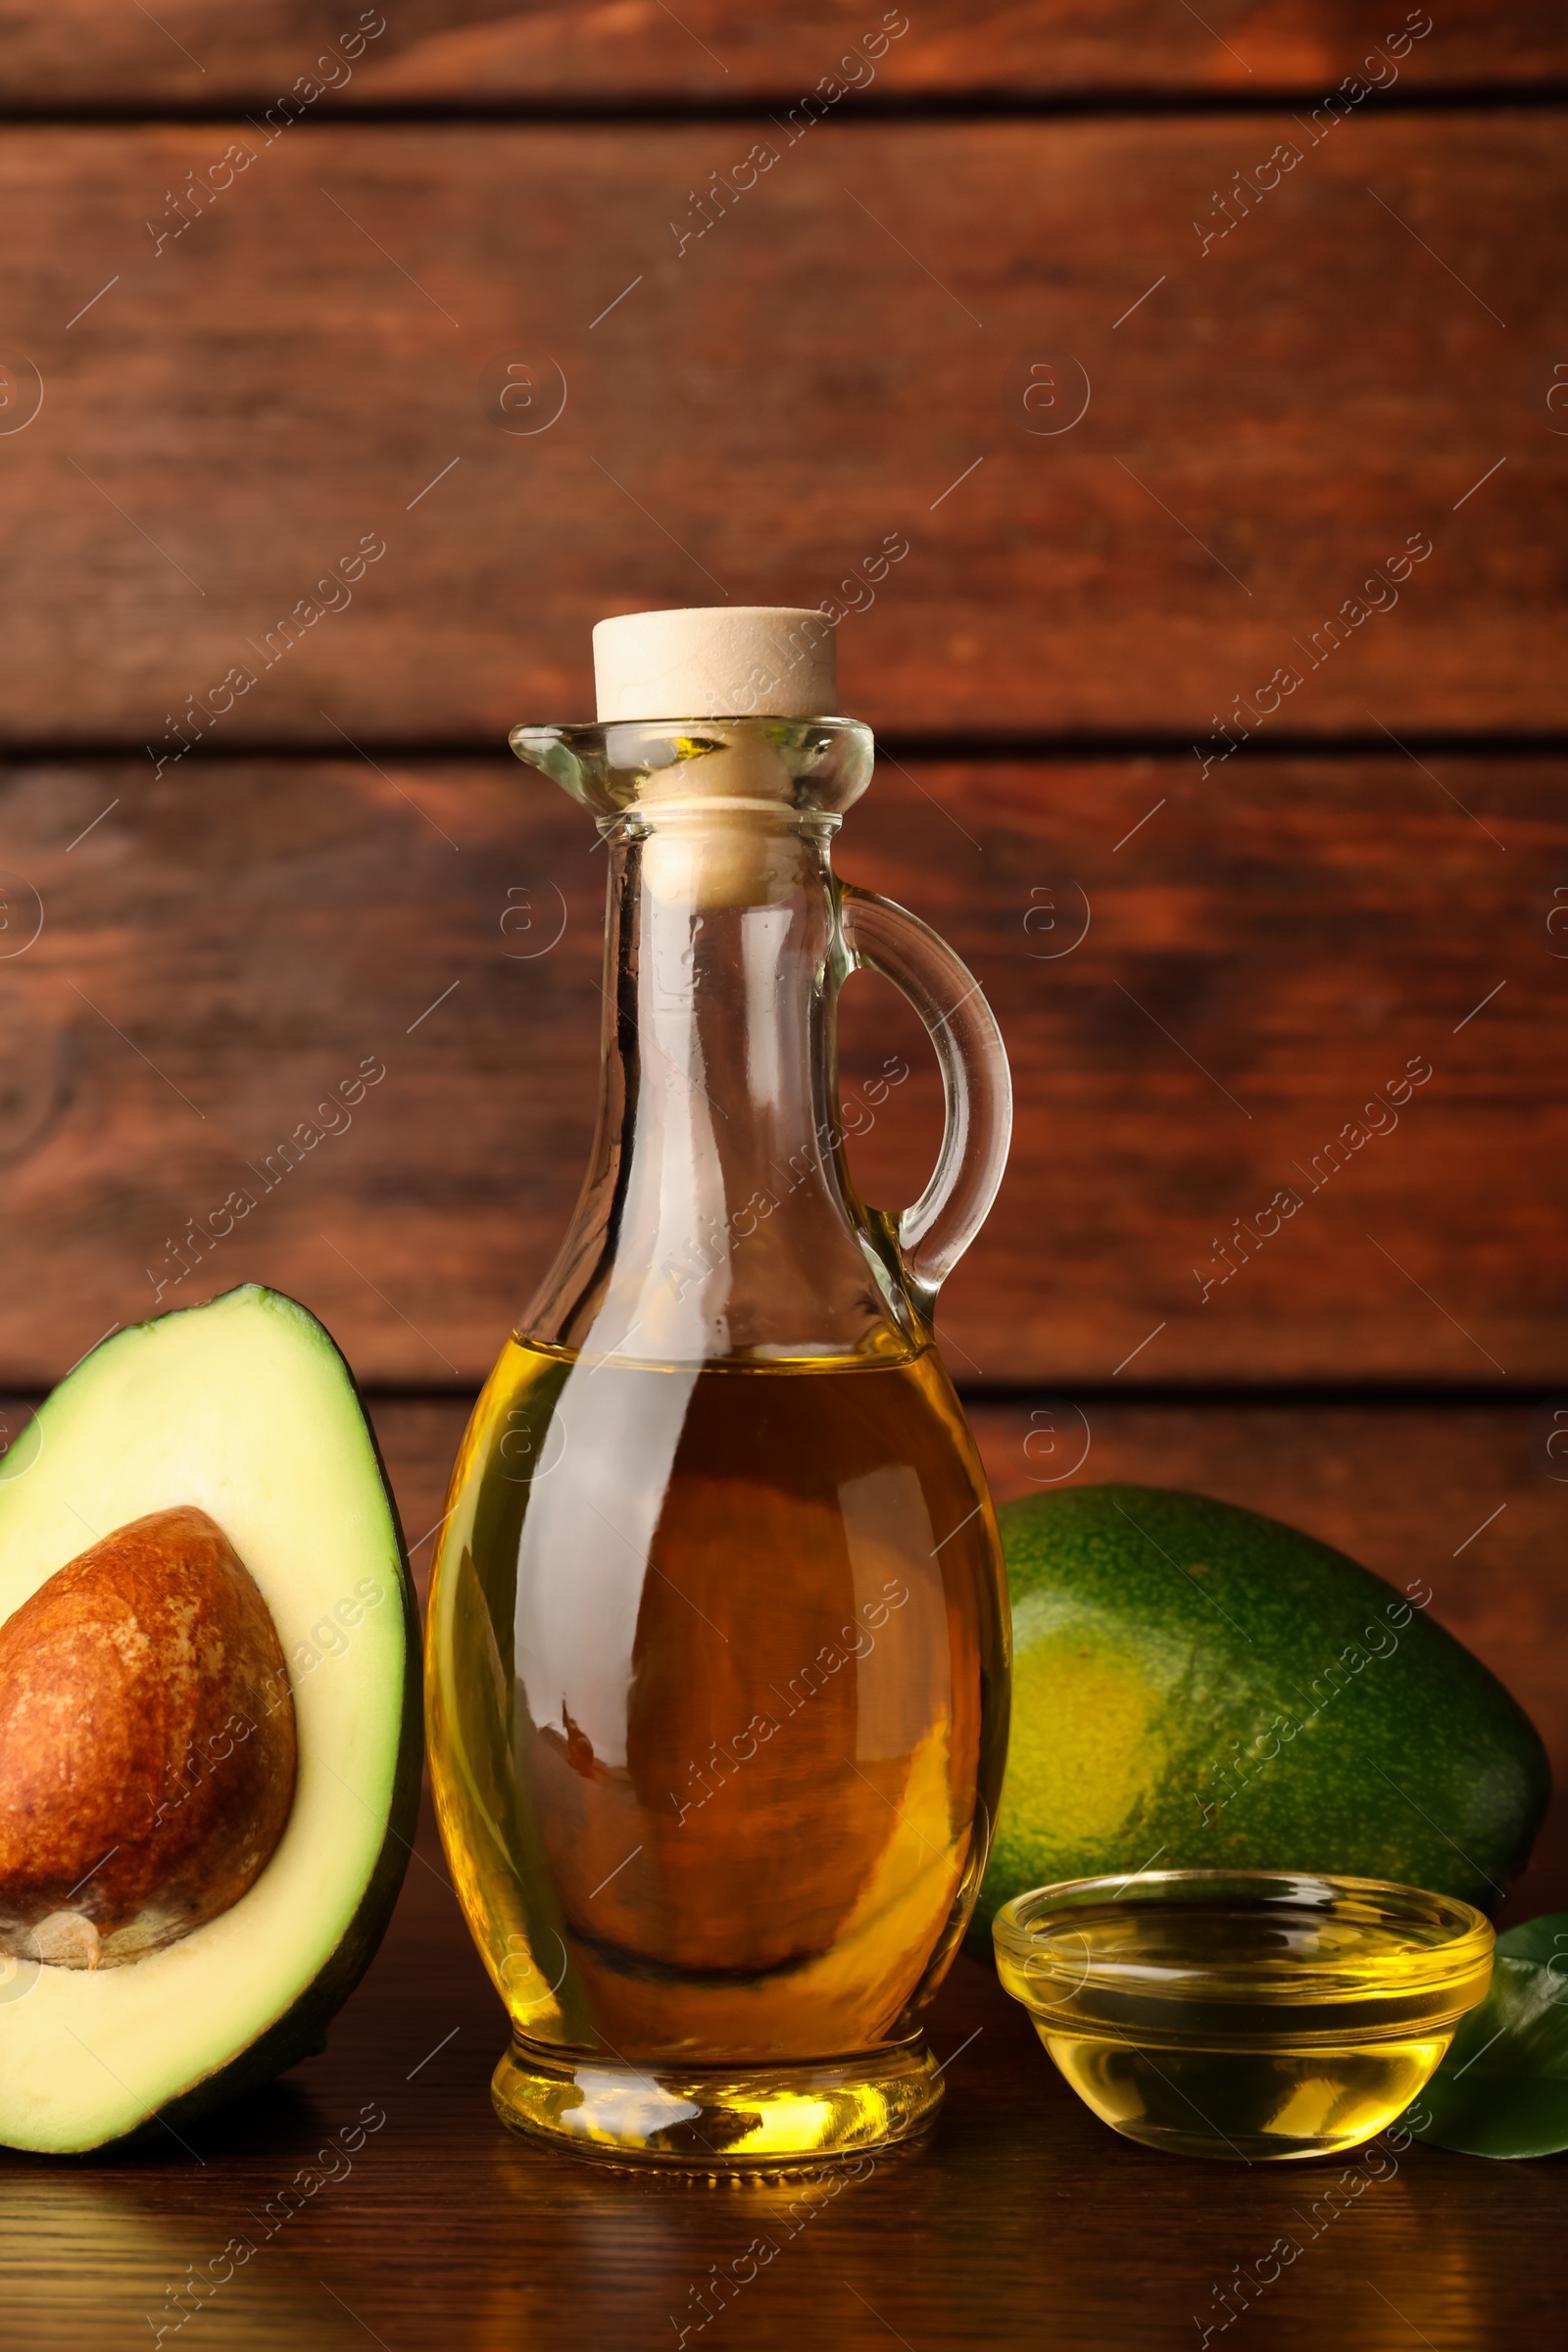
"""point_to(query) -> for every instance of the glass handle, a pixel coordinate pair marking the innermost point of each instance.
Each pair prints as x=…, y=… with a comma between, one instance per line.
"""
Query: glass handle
x=976, y=1085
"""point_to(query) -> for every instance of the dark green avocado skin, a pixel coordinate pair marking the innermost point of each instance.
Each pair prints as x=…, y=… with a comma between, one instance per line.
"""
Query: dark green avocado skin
x=1197, y=1686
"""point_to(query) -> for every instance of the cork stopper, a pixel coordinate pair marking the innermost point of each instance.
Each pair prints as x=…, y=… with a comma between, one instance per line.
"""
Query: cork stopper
x=716, y=661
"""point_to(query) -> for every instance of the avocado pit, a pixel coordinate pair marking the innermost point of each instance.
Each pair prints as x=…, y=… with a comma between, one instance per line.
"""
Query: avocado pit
x=147, y=1745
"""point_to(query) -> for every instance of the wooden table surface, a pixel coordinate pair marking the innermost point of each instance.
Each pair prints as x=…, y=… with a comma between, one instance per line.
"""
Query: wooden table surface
x=1023, y=2220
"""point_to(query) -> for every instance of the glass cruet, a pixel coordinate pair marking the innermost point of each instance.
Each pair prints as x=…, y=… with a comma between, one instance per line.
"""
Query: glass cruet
x=718, y=1655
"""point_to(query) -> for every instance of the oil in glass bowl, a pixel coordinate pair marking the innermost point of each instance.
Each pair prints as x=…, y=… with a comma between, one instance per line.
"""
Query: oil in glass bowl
x=1252, y=2015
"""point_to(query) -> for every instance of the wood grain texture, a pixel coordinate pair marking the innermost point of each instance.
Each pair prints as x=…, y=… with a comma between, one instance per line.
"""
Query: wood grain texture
x=841, y=359
x=1023, y=2222
x=1195, y=1015
x=487, y=51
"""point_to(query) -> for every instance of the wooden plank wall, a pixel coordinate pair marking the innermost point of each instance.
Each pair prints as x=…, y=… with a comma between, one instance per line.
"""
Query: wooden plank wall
x=1165, y=343
x=472, y=57
x=1194, y=1017
x=1145, y=487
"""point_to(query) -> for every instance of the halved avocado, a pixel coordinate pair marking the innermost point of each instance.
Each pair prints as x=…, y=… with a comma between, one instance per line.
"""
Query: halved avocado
x=211, y=1490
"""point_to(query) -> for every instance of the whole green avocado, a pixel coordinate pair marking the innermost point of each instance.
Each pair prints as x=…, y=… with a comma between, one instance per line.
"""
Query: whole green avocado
x=1197, y=1687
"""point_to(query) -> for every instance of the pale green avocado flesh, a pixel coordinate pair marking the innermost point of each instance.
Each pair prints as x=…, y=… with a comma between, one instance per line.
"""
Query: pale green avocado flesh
x=245, y=1408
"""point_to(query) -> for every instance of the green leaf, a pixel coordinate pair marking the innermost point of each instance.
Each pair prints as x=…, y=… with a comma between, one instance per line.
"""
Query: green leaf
x=1503, y=2089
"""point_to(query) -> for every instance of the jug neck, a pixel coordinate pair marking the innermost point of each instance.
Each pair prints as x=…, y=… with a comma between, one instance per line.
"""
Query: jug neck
x=717, y=1223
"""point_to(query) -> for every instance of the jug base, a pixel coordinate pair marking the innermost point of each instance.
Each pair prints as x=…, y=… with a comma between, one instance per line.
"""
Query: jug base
x=719, y=2120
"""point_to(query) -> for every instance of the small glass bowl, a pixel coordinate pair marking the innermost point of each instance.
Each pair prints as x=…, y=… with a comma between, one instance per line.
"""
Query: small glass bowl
x=1256, y=2014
